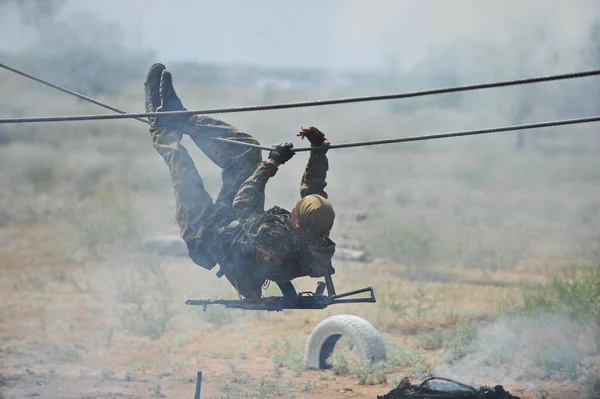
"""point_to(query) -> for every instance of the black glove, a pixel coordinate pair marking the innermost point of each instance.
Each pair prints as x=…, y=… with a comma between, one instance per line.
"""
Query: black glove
x=281, y=153
x=316, y=137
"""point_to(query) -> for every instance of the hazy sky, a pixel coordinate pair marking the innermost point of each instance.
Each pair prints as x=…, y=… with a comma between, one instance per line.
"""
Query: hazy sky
x=340, y=34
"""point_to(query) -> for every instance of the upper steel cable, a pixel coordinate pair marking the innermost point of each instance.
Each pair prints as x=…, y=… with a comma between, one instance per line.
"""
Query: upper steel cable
x=343, y=145
x=86, y=98
x=71, y=92
x=296, y=104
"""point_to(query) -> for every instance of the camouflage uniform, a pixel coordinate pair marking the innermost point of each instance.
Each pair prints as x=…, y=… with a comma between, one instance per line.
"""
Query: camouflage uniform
x=250, y=245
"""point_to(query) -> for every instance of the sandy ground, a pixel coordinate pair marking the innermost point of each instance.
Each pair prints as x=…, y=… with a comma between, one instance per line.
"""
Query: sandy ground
x=61, y=338
x=457, y=232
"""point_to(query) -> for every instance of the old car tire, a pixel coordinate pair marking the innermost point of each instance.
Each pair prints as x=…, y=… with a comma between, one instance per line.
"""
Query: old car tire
x=365, y=338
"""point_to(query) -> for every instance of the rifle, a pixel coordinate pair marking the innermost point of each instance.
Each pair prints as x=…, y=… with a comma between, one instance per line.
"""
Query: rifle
x=303, y=300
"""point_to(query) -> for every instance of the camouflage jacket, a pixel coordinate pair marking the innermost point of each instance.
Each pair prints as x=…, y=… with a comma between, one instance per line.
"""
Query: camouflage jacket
x=281, y=252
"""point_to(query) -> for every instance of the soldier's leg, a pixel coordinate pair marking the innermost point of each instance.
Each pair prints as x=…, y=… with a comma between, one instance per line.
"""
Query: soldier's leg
x=195, y=208
x=237, y=162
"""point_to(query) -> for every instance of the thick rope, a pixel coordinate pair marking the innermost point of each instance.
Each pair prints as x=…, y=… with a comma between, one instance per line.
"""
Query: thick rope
x=301, y=104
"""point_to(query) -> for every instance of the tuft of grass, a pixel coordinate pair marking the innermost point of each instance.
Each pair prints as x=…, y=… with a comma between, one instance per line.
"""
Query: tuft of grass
x=180, y=341
x=308, y=386
x=592, y=386
x=422, y=305
x=155, y=387
x=457, y=344
x=370, y=373
x=15, y=350
x=414, y=247
x=127, y=289
x=345, y=362
x=30, y=283
x=268, y=389
x=41, y=176
x=109, y=220
x=574, y=291
x=340, y=361
x=130, y=375
x=243, y=351
x=431, y=340
x=141, y=368
x=273, y=345
x=390, y=308
x=233, y=367
x=413, y=361
x=179, y=370
x=227, y=389
x=557, y=363
x=222, y=353
x=290, y=355
x=66, y=352
x=107, y=374
x=147, y=321
x=218, y=316
x=475, y=251
x=277, y=371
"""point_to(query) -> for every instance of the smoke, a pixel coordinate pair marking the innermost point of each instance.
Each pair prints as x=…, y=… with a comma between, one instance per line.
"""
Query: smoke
x=409, y=30
x=75, y=49
x=516, y=347
x=348, y=35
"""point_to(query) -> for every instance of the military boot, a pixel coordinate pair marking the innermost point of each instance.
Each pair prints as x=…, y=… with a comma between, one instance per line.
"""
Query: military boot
x=163, y=131
x=171, y=102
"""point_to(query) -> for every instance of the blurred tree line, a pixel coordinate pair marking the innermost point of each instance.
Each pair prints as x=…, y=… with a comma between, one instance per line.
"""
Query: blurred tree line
x=80, y=52
x=89, y=55
x=537, y=52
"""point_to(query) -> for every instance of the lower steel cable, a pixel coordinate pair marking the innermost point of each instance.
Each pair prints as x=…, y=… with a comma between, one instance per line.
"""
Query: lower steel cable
x=437, y=136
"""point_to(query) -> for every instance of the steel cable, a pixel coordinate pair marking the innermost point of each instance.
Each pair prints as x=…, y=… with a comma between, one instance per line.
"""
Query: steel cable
x=123, y=114
x=440, y=135
x=72, y=118
x=81, y=96
x=71, y=92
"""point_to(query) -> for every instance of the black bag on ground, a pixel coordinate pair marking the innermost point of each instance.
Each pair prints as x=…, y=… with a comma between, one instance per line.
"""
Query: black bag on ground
x=448, y=390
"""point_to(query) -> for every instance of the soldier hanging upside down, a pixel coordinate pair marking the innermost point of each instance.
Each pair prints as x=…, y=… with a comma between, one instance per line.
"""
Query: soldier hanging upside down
x=250, y=244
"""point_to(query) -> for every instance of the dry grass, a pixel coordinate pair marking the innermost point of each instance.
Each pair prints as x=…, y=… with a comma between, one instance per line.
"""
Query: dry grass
x=457, y=228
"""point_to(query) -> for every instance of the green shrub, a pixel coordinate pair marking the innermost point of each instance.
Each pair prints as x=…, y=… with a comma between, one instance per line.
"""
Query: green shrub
x=370, y=373
x=592, y=386
x=458, y=343
x=107, y=220
x=414, y=361
x=574, y=291
x=340, y=361
x=147, y=321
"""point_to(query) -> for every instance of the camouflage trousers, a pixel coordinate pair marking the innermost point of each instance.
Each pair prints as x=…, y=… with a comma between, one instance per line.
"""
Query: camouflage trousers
x=205, y=225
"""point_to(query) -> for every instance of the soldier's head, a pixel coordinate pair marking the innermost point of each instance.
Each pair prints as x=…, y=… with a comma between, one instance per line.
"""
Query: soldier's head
x=314, y=215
